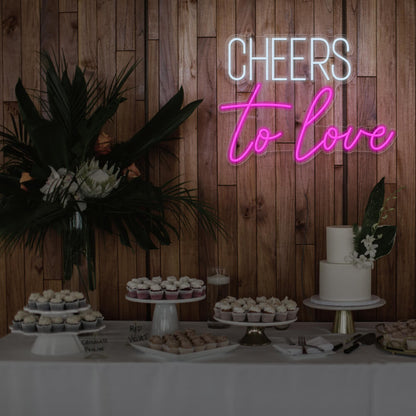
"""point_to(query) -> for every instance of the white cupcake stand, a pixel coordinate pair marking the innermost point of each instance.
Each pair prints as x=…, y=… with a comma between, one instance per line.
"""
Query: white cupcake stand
x=343, y=322
x=57, y=343
x=255, y=335
x=165, y=317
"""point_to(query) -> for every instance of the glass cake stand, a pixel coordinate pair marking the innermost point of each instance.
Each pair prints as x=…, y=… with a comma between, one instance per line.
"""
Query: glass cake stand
x=343, y=322
x=165, y=316
x=57, y=343
x=255, y=335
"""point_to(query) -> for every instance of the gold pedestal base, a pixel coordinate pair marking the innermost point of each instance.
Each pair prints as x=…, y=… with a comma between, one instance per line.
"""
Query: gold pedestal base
x=343, y=323
x=254, y=336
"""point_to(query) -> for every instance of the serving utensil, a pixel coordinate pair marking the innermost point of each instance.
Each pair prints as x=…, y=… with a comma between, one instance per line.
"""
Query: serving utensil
x=367, y=339
x=343, y=344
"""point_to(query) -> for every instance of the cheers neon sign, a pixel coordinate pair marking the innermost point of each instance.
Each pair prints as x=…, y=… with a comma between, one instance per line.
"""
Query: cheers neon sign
x=378, y=139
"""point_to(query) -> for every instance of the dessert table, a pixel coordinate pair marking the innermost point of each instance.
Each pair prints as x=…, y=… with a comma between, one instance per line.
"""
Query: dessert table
x=119, y=380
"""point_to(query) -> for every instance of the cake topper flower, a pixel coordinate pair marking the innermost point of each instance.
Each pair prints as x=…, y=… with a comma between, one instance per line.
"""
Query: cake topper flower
x=372, y=240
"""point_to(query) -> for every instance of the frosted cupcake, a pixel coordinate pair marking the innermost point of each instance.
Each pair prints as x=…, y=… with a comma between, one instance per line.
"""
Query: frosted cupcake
x=29, y=323
x=71, y=302
x=44, y=325
x=261, y=299
x=226, y=312
x=89, y=321
x=281, y=313
x=157, y=279
x=32, y=300
x=268, y=314
x=42, y=304
x=185, y=290
x=73, y=323
x=184, y=279
x=18, y=320
x=48, y=293
x=171, y=279
x=292, y=309
x=197, y=288
x=143, y=291
x=171, y=292
x=254, y=314
x=57, y=324
x=57, y=304
x=217, y=310
x=156, y=292
x=131, y=289
x=99, y=316
x=238, y=314
x=79, y=296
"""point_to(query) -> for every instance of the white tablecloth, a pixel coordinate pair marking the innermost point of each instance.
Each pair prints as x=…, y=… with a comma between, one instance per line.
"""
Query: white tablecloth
x=247, y=381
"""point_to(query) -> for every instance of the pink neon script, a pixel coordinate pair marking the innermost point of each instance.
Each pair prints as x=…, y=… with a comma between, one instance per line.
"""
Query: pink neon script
x=263, y=138
x=314, y=113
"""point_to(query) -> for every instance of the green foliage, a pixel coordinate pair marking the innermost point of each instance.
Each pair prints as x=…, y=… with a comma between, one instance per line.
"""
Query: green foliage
x=63, y=135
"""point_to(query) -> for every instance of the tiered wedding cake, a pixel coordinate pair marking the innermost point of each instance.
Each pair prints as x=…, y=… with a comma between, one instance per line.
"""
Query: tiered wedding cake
x=340, y=280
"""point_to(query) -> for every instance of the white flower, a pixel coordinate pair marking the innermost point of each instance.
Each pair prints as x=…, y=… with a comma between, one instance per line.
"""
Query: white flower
x=96, y=182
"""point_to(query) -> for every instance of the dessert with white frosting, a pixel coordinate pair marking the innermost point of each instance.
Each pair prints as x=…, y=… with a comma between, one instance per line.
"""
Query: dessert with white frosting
x=42, y=303
x=185, y=290
x=44, y=325
x=73, y=323
x=29, y=323
x=156, y=292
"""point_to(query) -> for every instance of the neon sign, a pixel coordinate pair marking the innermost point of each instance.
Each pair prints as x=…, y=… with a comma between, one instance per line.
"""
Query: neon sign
x=378, y=139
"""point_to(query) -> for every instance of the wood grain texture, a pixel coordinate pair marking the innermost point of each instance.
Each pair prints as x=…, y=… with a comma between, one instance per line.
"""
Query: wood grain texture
x=274, y=210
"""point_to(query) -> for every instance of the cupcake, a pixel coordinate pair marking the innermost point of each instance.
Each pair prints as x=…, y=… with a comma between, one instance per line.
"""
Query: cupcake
x=261, y=299
x=292, y=309
x=29, y=323
x=57, y=304
x=268, y=314
x=171, y=292
x=99, y=316
x=65, y=292
x=254, y=314
x=32, y=300
x=57, y=324
x=89, y=321
x=184, y=279
x=171, y=279
x=44, y=325
x=185, y=291
x=197, y=288
x=155, y=342
x=281, y=313
x=18, y=320
x=42, y=304
x=71, y=302
x=226, y=312
x=73, y=323
x=157, y=279
x=156, y=292
x=217, y=310
x=79, y=296
x=142, y=291
x=238, y=314
x=48, y=294
x=131, y=289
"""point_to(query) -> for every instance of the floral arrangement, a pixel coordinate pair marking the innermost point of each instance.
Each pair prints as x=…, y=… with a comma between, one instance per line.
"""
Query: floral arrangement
x=61, y=170
x=372, y=240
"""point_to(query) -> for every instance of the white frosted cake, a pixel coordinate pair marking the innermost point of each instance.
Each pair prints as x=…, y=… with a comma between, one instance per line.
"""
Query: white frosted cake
x=339, y=280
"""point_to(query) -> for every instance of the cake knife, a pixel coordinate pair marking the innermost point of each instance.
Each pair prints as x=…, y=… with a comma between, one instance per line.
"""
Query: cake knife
x=348, y=341
x=367, y=339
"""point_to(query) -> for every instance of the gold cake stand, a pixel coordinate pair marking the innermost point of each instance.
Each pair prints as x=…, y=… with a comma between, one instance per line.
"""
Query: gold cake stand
x=343, y=321
x=255, y=335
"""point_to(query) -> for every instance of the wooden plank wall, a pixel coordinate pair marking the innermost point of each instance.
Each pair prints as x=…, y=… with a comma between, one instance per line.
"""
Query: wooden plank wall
x=275, y=211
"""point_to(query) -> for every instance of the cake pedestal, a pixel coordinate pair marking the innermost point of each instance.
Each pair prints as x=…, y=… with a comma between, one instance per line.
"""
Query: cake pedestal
x=165, y=316
x=255, y=335
x=343, y=322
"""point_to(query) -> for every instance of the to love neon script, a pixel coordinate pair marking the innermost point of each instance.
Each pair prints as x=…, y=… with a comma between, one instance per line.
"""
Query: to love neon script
x=378, y=139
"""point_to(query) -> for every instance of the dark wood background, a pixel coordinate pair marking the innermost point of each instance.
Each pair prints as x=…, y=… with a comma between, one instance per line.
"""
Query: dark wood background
x=275, y=210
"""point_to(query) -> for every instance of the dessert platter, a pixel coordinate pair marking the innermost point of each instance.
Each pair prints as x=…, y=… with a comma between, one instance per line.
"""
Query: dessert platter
x=185, y=345
x=165, y=295
x=57, y=330
x=398, y=338
x=343, y=286
x=256, y=315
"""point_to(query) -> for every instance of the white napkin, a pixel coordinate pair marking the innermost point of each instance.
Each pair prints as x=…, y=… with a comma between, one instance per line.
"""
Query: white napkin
x=296, y=350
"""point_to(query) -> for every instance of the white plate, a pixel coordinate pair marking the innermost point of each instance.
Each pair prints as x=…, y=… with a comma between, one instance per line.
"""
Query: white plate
x=165, y=301
x=256, y=324
x=56, y=313
x=316, y=299
x=143, y=347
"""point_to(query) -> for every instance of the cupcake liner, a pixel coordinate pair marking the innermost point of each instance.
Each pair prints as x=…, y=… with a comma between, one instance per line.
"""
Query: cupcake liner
x=44, y=329
x=100, y=321
x=292, y=314
x=281, y=316
x=132, y=293
x=82, y=303
x=57, y=306
x=226, y=315
x=267, y=317
x=142, y=294
x=156, y=295
x=197, y=293
x=217, y=312
x=28, y=327
x=89, y=324
x=58, y=327
x=42, y=306
x=31, y=304
x=72, y=327
x=185, y=294
x=171, y=295
x=72, y=305
x=238, y=316
x=253, y=316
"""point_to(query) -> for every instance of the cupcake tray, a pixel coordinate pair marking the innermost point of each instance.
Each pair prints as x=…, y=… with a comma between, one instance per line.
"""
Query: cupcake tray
x=255, y=335
x=56, y=313
x=57, y=343
x=143, y=346
x=165, y=316
x=394, y=351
